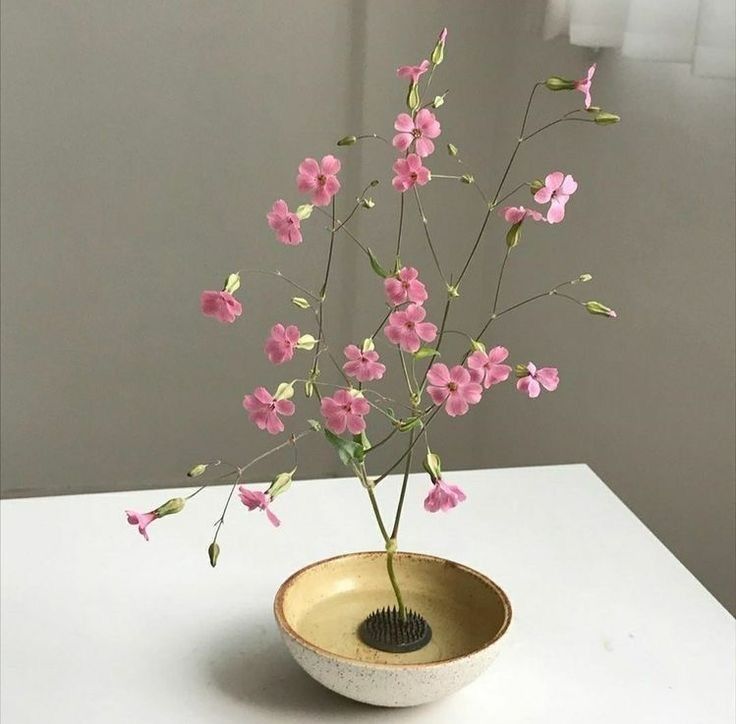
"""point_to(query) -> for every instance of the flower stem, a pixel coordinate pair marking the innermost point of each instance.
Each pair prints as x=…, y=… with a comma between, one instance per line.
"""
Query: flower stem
x=400, y=505
x=395, y=584
x=401, y=225
x=425, y=225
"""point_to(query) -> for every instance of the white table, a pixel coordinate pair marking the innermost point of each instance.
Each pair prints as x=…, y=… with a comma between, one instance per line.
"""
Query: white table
x=100, y=626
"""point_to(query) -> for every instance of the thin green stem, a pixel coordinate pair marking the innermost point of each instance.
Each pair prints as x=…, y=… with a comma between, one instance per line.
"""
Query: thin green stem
x=401, y=225
x=500, y=278
x=400, y=505
x=440, y=337
x=425, y=225
x=285, y=278
x=395, y=584
x=554, y=123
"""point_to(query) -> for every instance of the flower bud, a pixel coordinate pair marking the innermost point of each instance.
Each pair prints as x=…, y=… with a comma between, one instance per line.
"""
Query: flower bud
x=347, y=141
x=175, y=505
x=304, y=211
x=314, y=425
x=432, y=465
x=513, y=234
x=477, y=346
x=214, y=553
x=555, y=83
x=521, y=371
x=300, y=302
x=280, y=484
x=306, y=341
x=308, y=388
x=606, y=119
x=197, y=470
x=285, y=391
x=367, y=202
x=368, y=345
x=584, y=278
x=535, y=185
x=593, y=109
x=438, y=101
x=412, y=99
x=598, y=308
x=232, y=283
x=452, y=291
x=373, y=183
x=467, y=179
x=452, y=149
x=438, y=54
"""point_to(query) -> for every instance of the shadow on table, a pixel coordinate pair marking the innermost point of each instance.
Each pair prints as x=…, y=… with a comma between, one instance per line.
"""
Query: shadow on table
x=252, y=665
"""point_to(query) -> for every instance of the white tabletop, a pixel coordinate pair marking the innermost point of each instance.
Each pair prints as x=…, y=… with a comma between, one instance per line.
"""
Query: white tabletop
x=100, y=626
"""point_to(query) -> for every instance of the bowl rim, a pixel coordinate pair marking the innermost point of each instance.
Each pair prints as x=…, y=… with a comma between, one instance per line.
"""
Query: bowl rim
x=278, y=609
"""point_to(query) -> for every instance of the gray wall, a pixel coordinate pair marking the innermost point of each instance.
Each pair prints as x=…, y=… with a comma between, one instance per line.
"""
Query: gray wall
x=142, y=144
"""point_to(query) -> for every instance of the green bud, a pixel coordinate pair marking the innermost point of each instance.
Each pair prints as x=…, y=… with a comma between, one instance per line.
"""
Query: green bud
x=285, y=391
x=452, y=291
x=521, y=371
x=467, y=179
x=347, y=141
x=477, y=346
x=367, y=202
x=368, y=345
x=584, y=278
x=593, y=109
x=452, y=149
x=424, y=352
x=432, y=464
x=232, y=283
x=412, y=99
x=438, y=101
x=300, y=302
x=281, y=483
x=214, y=553
x=555, y=83
x=535, y=185
x=306, y=341
x=607, y=119
x=598, y=308
x=375, y=182
x=175, y=505
x=314, y=425
x=514, y=234
x=308, y=388
x=197, y=470
x=304, y=211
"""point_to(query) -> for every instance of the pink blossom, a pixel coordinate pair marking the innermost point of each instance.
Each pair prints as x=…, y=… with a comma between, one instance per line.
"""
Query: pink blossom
x=345, y=410
x=254, y=499
x=443, y=496
x=557, y=189
x=363, y=365
x=516, y=214
x=408, y=329
x=285, y=223
x=414, y=72
x=319, y=179
x=220, y=305
x=454, y=388
x=534, y=379
x=142, y=520
x=490, y=366
x=264, y=409
x=281, y=344
x=409, y=171
x=583, y=85
x=405, y=287
x=419, y=130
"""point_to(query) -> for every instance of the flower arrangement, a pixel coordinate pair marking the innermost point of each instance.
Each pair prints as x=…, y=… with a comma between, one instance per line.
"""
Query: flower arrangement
x=405, y=336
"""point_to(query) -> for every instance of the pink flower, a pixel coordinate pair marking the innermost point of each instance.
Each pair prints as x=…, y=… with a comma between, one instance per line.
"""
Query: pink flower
x=265, y=409
x=281, y=344
x=415, y=72
x=516, y=214
x=557, y=189
x=363, y=365
x=254, y=499
x=405, y=286
x=417, y=130
x=285, y=223
x=142, y=520
x=220, y=305
x=583, y=85
x=492, y=371
x=455, y=387
x=534, y=379
x=408, y=329
x=345, y=410
x=319, y=179
x=443, y=496
x=409, y=171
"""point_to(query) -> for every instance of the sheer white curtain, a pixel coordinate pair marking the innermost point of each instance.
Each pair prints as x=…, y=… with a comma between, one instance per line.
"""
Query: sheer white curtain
x=699, y=32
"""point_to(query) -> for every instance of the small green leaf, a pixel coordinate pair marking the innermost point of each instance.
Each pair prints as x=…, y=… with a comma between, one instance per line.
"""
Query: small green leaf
x=425, y=352
x=314, y=425
x=348, y=451
x=377, y=266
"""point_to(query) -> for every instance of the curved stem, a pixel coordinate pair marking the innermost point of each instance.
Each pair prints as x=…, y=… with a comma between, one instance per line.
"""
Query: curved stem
x=285, y=278
x=425, y=225
x=395, y=584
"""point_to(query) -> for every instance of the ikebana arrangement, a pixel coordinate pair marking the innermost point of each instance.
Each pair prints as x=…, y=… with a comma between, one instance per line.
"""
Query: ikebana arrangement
x=339, y=391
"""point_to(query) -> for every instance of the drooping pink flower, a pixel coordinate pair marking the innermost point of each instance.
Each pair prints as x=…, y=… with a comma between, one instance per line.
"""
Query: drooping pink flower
x=557, y=189
x=515, y=214
x=405, y=287
x=264, y=409
x=408, y=329
x=419, y=131
x=220, y=305
x=255, y=499
x=583, y=85
x=413, y=72
x=281, y=343
x=454, y=388
x=490, y=366
x=363, y=365
x=319, y=179
x=142, y=520
x=409, y=171
x=443, y=496
x=345, y=410
x=285, y=223
x=534, y=379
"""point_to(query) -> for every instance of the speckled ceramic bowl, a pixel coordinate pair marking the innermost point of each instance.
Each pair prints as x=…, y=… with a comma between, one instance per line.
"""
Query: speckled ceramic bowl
x=319, y=609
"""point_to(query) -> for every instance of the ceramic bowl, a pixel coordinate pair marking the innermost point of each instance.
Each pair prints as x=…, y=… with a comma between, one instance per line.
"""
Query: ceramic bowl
x=319, y=609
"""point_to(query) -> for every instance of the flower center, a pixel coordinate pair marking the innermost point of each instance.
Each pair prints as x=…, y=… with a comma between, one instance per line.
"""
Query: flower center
x=416, y=133
x=405, y=285
x=409, y=325
x=452, y=386
x=321, y=179
x=347, y=407
x=413, y=176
